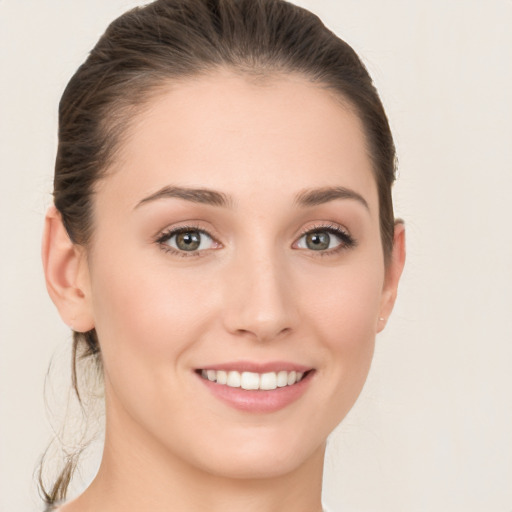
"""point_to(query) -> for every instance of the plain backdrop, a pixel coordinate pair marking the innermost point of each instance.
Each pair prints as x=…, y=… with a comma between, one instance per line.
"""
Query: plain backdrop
x=432, y=430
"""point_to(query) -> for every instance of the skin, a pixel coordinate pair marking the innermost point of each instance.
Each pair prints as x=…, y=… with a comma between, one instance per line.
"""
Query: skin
x=254, y=292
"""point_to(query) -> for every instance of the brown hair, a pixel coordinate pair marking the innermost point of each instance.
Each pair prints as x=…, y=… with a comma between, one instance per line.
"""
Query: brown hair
x=175, y=39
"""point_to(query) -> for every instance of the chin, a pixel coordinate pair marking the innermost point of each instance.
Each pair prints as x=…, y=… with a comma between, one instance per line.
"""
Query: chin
x=260, y=466
x=267, y=453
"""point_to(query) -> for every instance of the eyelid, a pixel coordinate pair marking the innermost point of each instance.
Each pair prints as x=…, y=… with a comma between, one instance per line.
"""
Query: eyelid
x=170, y=232
x=347, y=241
x=328, y=226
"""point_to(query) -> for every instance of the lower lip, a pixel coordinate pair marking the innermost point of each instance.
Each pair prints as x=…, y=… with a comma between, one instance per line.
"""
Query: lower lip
x=259, y=401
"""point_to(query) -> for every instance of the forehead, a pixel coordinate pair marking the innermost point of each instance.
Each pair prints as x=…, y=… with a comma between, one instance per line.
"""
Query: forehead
x=231, y=132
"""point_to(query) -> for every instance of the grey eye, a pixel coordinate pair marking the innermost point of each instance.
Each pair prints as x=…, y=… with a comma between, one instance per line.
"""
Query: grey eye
x=191, y=240
x=318, y=241
x=324, y=240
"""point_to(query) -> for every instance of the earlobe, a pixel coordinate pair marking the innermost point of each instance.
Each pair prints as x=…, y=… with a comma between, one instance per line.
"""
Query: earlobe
x=66, y=274
x=393, y=272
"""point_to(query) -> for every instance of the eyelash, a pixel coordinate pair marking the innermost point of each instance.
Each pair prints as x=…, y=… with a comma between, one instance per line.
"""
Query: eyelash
x=347, y=241
x=169, y=233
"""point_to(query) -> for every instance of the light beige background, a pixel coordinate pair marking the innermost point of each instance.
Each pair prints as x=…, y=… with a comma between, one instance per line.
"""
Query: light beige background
x=433, y=428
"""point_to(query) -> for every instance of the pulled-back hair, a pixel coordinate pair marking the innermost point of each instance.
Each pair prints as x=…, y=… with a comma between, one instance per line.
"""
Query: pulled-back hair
x=150, y=46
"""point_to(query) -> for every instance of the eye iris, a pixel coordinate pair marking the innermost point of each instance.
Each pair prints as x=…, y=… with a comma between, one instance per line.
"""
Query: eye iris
x=318, y=241
x=188, y=241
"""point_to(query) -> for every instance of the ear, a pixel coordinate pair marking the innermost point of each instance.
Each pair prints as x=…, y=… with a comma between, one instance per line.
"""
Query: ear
x=66, y=273
x=394, y=270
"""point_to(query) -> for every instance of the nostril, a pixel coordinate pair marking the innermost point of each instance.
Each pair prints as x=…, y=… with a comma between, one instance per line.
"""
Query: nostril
x=264, y=333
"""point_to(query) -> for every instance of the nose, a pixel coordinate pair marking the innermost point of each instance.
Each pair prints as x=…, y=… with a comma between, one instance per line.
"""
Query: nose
x=259, y=300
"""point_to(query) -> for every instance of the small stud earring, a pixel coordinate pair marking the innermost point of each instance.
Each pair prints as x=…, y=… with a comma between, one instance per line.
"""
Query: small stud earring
x=382, y=319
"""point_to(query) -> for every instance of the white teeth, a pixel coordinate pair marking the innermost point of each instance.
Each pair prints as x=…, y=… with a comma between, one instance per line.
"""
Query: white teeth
x=282, y=379
x=233, y=380
x=268, y=381
x=251, y=380
x=222, y=377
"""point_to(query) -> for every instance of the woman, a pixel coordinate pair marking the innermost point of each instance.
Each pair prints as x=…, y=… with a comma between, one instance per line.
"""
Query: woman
x=223, y=245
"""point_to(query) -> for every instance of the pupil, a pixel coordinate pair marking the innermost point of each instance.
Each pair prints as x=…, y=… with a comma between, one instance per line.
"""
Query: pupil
x=318, y=241
x=188, y=241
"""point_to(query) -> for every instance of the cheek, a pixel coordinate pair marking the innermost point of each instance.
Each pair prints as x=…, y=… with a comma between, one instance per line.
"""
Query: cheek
x=147, y=319
x=345, y=304
x=345, y=316
x=145, y=314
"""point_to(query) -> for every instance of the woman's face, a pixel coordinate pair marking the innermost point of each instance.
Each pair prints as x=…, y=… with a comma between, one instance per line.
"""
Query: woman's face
x=237, y=243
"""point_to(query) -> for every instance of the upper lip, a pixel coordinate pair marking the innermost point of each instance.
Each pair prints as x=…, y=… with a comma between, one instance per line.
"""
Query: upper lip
x=257, y=367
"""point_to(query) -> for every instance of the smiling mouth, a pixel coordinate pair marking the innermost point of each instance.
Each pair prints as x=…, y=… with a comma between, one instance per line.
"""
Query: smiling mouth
x=252, y=381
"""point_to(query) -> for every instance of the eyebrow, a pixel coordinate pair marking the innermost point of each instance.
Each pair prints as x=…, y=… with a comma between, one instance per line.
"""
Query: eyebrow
x=306, y=198
x=195, y=195
x=323, y=195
